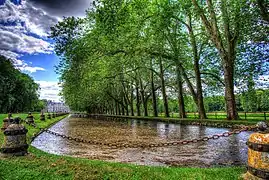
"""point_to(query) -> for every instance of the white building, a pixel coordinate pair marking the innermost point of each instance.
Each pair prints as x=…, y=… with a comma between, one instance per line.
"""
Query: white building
x=57, y=107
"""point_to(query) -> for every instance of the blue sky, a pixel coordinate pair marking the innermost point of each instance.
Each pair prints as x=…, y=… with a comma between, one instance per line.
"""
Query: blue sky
x=24, y=29
x=46, y=61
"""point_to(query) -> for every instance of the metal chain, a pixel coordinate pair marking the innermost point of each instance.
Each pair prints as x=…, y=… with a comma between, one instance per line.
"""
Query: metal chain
x=150, y=145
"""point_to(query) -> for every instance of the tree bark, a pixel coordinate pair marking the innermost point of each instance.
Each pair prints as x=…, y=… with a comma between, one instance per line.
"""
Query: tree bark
x=165, y=101
x=196, y=58
x=122, y=110
x=229, y=89
x=189, y=84
x=137, y=99
x=154, y=100
x=145, y=104
x=181, y=105
x=117, y=108
x=144, y=101
x=132, y=102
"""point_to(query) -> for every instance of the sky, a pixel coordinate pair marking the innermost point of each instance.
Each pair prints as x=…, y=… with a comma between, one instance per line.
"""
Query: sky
x=24, y=30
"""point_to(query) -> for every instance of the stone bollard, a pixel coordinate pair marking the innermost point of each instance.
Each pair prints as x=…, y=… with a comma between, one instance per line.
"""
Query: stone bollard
x=30, y=118
x=7, y=121
x=42, y=117
x=49, y=116
x=258, y=154
x=15, y=139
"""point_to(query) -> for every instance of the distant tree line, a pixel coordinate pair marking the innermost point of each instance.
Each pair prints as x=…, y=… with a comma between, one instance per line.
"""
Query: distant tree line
x=18, y=91
x=245, y=102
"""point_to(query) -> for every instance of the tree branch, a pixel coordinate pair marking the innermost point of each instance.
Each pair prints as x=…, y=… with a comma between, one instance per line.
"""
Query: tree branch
x=214, y=76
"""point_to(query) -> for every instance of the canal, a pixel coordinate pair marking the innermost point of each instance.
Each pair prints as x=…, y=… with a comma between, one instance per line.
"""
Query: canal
x=225, y=151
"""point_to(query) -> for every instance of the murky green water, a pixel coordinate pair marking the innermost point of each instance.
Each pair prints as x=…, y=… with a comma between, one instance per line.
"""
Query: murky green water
x=224, y=151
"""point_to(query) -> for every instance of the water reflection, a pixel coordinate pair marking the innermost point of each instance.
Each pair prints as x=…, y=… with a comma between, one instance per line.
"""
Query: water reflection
x=224, y=151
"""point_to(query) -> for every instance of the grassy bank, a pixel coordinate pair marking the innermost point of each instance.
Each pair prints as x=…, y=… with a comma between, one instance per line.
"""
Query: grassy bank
x=41, y=165
x=207, y=122
x=31, y=131
x=245, y=116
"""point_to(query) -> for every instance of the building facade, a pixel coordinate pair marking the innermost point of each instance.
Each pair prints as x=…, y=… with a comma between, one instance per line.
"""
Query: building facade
x=56, y=107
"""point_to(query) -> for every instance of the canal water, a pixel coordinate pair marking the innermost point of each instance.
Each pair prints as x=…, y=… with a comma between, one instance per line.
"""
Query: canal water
x=225, y=151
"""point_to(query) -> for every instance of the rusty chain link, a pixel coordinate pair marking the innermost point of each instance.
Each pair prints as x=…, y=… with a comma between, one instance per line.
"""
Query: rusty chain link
x=150, y=145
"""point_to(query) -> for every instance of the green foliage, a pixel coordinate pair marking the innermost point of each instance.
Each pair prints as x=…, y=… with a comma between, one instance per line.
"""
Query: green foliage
x=108, y=57
x=18, y=91
x=251, y=101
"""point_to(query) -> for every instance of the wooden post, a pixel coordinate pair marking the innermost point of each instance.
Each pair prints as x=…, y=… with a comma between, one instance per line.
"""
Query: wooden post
x=245, y=115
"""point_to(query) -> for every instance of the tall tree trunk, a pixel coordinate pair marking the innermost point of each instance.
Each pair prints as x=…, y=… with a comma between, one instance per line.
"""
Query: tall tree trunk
x=132, y=102
x=189, y=84
x=225, y=46
x=137, y=99
x=154, y=100
x=116, y=108
x=113, y=108
x=145, y=104
x=229, y=90
x=199, y=90
x=119, y=109
x=122, y=110
x=127, y=108
x=144, y=101
x=181, y=105
x=165, y=101
x=201, y=107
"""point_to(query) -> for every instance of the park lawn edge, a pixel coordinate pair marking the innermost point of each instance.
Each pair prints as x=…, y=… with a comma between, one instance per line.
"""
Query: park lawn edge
x=186, y=120
x=41, y=165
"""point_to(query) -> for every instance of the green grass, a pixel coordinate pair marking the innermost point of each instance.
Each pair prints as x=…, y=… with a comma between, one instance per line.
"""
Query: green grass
x=190, y=120
x=259, y=116
x=219, y=117
x=31, y=131
x=40, y=165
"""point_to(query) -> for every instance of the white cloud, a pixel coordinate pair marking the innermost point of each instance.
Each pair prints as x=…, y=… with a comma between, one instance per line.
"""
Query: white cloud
x=24, y=29
x=27, y=17
x=49, y=90
x=20, y=64
x=21, y=43
x=9, y=54
x=31, y=69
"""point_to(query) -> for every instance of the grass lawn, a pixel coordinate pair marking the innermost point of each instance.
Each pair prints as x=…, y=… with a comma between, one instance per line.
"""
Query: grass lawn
x=249, y=116
x=41, y=165
x=190, y=120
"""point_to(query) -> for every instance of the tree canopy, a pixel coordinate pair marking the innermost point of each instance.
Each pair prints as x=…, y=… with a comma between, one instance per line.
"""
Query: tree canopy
x=126, y=57
x=18, y=91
